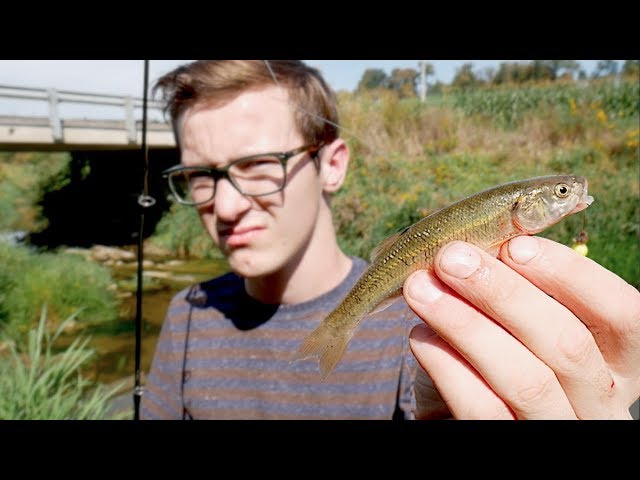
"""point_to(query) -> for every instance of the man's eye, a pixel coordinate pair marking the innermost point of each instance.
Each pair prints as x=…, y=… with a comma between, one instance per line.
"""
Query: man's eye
x=258, y=163
x=200, y=179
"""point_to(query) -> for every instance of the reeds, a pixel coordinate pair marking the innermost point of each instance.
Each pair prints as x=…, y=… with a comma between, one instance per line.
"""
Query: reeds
x=39, y=383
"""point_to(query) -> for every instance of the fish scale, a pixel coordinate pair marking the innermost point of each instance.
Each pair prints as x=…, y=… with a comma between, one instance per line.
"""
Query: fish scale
x=486, y=219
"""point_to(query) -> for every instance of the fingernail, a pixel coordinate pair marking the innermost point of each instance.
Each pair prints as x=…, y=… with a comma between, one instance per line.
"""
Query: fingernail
x=524, y=248
x=424, y=288
x=421, y=333
x=459, y=260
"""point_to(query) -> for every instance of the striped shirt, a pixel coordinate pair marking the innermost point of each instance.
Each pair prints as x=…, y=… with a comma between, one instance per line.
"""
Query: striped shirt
x=223, y=355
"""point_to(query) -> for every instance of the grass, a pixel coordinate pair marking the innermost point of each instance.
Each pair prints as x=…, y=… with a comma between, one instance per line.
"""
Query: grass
x=65, y=282
x=40, y=384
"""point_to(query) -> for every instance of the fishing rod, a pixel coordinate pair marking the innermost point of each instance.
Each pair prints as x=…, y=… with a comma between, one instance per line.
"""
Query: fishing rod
x=145, y=201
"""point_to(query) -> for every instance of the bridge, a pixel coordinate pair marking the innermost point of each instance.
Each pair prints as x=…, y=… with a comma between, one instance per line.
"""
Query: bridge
x=58, y=132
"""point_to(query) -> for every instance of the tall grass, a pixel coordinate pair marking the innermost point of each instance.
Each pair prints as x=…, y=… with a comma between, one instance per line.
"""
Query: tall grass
x=40, y=384
x=508, y=105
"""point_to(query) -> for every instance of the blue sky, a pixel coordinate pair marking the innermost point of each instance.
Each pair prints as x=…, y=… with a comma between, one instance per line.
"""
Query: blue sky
x=124, y=77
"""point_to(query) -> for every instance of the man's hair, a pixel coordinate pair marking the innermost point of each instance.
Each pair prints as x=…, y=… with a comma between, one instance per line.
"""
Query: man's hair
x=219, y=81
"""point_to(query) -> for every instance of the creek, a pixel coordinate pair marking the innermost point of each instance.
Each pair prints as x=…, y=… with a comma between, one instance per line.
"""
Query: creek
x=114, y=342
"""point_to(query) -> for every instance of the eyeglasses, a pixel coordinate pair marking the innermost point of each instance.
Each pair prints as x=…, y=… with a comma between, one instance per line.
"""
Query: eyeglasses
x=253, y=176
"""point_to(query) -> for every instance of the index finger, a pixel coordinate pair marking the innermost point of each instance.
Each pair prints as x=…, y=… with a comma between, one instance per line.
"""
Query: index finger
x=604, y=302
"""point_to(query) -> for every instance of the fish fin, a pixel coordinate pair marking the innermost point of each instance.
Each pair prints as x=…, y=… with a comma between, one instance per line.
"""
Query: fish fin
x=325, y=343
x=385, y=243
x=387, y=302
x=494, y=248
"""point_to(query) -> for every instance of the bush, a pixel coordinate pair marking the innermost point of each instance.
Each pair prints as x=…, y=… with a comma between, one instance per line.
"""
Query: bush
x=24, y=180
x=181, y=232
x=65, y=282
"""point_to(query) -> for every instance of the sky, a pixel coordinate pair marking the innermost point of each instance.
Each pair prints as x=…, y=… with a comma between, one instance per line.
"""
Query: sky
x=125, y=77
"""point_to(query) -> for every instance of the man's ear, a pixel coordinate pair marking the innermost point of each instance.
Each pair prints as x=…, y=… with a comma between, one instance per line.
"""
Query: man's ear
x=334, y=161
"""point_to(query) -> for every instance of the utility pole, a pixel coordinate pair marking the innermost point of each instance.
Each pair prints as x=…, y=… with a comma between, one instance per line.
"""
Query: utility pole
x=423, y=80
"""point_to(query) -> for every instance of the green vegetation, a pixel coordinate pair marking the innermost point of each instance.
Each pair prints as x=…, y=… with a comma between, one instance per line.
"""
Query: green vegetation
x=181, y=232
x=507, y=106
x=25, y=178
x=40, y=384
x=65, y=282
x=403, y=81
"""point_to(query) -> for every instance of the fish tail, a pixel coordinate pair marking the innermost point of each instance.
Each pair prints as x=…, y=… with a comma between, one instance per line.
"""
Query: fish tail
x=326, y=343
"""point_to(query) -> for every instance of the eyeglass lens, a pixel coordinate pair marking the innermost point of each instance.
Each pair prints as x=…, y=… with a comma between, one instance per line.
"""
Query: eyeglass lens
x=254, y=177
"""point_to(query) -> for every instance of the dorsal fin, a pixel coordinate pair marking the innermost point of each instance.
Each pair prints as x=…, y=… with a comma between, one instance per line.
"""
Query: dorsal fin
x=386, y=243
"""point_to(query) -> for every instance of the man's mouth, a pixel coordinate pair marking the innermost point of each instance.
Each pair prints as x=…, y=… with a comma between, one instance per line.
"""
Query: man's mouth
x=239, y=236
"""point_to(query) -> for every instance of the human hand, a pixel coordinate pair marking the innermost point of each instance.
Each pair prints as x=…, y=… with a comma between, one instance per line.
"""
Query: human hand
x=542, y=333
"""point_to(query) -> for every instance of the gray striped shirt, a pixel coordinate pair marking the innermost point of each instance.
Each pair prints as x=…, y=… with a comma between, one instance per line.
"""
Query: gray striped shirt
x=223, y=355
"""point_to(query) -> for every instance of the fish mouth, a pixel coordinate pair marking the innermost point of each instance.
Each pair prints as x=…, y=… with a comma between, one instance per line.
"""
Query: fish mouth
x=585, y=200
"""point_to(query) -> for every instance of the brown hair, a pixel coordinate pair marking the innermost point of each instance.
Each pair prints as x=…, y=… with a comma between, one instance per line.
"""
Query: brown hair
x=201, y=81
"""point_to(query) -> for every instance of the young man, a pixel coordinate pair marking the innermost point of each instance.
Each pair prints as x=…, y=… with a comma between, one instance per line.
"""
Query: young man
x=224, y=352
x=540, y=332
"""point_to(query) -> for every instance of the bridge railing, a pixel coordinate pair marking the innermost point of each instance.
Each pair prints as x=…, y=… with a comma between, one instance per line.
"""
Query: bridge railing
x=54, y=98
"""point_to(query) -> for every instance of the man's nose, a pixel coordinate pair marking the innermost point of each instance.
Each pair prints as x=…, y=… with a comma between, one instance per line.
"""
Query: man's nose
x=229, y=203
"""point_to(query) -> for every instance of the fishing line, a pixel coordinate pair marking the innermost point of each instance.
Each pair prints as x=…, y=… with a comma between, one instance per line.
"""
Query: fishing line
x=580, y=241
x=145, y=201
x=583, y=237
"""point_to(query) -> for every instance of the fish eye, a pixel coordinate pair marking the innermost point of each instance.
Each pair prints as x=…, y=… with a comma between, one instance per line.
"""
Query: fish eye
x=562, y=190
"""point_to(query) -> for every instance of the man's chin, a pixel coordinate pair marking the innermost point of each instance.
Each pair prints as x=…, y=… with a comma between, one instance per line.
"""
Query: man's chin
x=246, y=265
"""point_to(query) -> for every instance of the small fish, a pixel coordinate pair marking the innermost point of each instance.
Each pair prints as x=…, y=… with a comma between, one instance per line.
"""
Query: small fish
x=487, y=219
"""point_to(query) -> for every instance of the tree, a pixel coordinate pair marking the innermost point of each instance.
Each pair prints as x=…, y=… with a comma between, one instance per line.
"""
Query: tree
x=631, y=67
x=560, y=67
x=464, y=77
x=605, y=68
x=487, y=75
x=543, y=70
x=437, y=88
x=373, y=78
x=403, y=81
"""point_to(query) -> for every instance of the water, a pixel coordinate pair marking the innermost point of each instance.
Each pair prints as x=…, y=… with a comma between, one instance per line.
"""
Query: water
x=114, y=343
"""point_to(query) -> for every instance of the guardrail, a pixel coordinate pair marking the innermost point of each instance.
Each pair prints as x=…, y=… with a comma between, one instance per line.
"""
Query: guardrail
x=55, y=97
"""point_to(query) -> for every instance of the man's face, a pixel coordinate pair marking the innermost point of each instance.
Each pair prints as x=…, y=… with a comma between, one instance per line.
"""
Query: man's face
x=258, y=235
